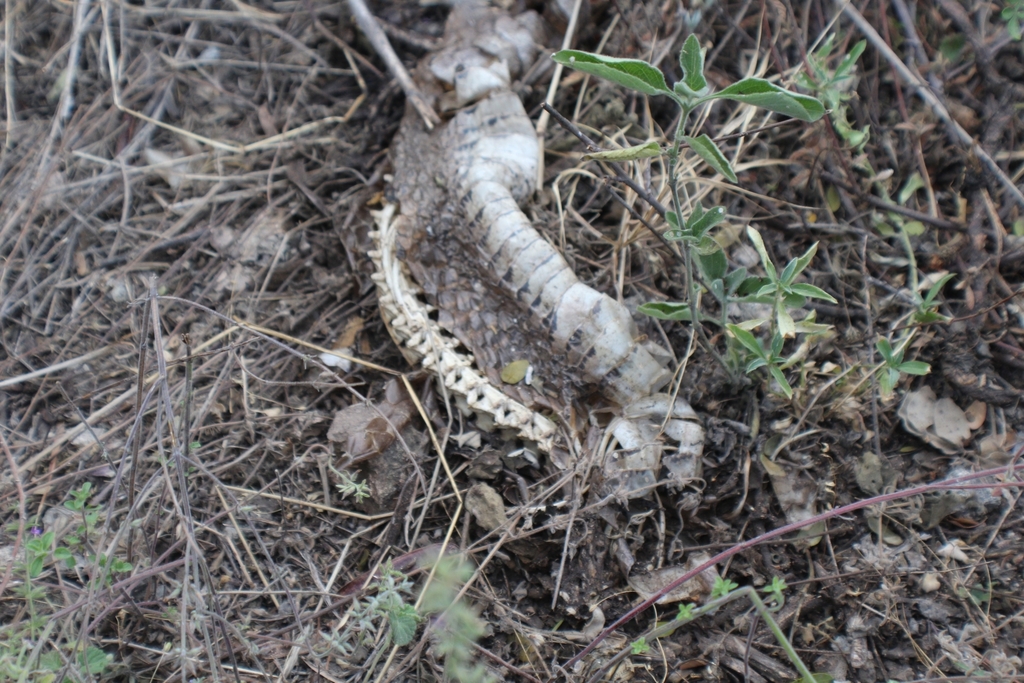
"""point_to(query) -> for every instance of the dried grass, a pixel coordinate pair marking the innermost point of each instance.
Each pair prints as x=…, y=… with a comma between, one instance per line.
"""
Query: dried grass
x=183, y=219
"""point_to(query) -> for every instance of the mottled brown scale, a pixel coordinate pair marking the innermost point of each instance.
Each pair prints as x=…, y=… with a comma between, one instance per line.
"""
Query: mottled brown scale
x=500, y=288
x=453, y=278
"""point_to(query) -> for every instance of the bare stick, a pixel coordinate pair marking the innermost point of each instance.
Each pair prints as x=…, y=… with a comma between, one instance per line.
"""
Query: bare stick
x=12, y=117
x=57, y=367
x=623, y=176
x=556, y=78
x=925, y=93
x=375, y=34
x=940, y=223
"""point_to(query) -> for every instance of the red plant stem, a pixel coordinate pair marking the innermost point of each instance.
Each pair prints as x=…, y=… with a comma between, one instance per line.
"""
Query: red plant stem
x=944, y=485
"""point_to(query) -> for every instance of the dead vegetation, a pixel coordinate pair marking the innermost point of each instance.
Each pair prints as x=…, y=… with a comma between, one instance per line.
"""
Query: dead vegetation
x=218, y=465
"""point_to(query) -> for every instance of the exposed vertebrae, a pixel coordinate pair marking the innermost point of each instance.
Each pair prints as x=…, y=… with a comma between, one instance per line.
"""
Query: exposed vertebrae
x=408, y=320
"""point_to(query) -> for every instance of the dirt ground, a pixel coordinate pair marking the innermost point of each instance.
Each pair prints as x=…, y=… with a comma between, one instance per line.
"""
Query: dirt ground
x=185, y=212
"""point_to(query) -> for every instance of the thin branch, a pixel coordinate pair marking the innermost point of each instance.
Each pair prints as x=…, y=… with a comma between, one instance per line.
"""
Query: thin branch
x=375, y=34
x=880, y=203
x=925, y=93
x=622, y=174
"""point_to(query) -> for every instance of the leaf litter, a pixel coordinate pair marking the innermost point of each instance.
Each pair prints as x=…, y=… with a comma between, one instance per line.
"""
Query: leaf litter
x=101, y=206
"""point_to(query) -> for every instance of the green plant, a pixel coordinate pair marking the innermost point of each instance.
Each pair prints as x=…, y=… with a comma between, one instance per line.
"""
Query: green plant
x=457, y=627
x=926, y=312
x=833, y=87
x=706, y=267
x=895, y=365
x=366, y=620
x=20, y=658
x=723, y=592
x=17, y=664
x=1013, y=15
x=350, y=486
x=722, y=587
x=80, y=539
x=640, y=646
x=388, y=617
x=89, y=514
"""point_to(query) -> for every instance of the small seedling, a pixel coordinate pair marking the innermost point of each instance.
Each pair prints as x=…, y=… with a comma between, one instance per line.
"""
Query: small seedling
x=722, y=587
x=926, y=312
x=368, y=618
x=640, y=646
x=783, y=293
x=350, y=486
x=456, y=626
x=895, y=366
x=19, y=659
x=782, y=289
x=833, y=87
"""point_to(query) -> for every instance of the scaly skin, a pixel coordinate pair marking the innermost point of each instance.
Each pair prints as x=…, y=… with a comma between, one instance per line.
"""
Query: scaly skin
x=461, y=245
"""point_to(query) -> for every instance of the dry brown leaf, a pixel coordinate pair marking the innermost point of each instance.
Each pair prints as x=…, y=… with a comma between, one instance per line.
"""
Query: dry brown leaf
x=874, y=474
x=693, y=590
x=976, y=413
x=364, y=431
x=347, y=338
x=918, y=411
x=797, y=495
x=940, y=423
x=486, y=506
x=951, y=422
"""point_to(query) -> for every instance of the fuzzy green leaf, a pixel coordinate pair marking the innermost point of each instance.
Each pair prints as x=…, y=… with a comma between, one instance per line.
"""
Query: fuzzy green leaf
x=698, y=225
x=811, y=292
x=885, y=348
x=634, y=74
x=760, y=93
x=787, y=328
x=914, y=183
x=403, y=623
x=936, y=288
x=887, y=382
x=718, y=290
x=755, y=364
x=644, y=151
x=915, y=367
x=734, y=279
x=707, y=150
x=781, y=379
x=769, y=267
x=691, y=60
x=807, y=326
x=843, y=70
x=677, y=235
x=798, y=265
x=714, y=266
x=94, y=660
x=748, y=340
x=929, y=317
x=666, y=310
